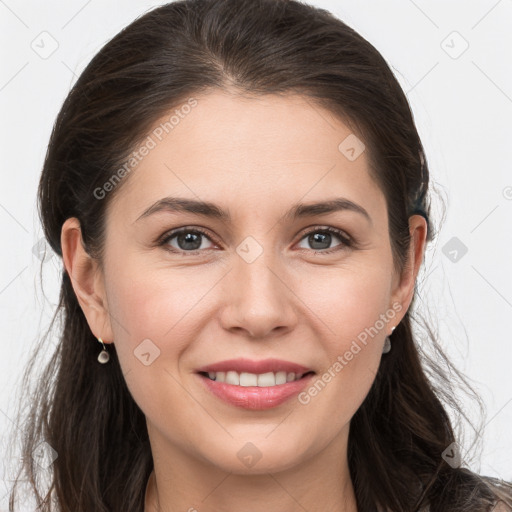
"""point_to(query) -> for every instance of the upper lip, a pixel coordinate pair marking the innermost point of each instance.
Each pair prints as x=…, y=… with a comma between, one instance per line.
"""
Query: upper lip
x=257, y=367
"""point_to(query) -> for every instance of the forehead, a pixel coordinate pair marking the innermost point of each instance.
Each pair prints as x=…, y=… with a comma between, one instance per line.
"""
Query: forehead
x=239, y=150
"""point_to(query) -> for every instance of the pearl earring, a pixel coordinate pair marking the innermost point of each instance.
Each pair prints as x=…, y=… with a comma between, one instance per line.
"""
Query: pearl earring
x=387, y=343
x=103, y=356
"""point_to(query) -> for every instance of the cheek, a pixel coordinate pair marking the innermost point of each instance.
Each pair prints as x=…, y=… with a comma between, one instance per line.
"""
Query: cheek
x=149, y=321
x=353, y=305
x=139, y=306
x=147, y=300
x=159, y=304
x=348, y=300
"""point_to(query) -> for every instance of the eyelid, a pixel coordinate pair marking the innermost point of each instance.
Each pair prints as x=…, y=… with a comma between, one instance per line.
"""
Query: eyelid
x=331, y=229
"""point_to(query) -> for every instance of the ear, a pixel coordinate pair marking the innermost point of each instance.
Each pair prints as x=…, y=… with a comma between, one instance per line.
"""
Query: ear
x=87, y=280
x=403, y=290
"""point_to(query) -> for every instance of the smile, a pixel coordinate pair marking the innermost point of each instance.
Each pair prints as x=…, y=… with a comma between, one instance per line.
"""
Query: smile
x=257, y=397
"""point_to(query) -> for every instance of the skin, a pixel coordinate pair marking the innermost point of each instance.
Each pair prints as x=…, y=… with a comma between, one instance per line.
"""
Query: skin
x=255, y=158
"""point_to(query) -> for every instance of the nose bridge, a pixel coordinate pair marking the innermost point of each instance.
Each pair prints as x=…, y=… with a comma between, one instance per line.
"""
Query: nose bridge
x=257, y=299
x=255, y=268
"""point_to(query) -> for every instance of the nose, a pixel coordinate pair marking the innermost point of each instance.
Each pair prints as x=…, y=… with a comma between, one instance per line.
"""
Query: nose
x=259, y=298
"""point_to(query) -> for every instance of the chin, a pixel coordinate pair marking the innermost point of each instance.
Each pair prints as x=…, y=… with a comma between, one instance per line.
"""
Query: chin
x=257, y=457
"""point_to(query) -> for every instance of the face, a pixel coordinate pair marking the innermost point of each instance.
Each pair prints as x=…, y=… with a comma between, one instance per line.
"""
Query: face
x=259, y=276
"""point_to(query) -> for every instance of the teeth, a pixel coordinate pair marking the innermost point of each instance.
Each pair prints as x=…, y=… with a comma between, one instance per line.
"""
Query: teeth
x=248, y=379
x=280, y=378
x=261, y=380
x=232, y=378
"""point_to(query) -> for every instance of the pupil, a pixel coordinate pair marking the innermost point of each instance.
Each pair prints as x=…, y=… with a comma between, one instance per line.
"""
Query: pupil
x=321, y=238
x=190, y=241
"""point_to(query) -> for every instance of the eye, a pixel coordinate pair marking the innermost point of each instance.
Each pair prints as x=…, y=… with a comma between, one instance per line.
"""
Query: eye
x=191, y=240
x=186, y=240
x=321, y=238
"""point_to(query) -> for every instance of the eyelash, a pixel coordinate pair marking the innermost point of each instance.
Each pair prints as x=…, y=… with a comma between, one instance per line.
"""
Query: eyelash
x=347, y=242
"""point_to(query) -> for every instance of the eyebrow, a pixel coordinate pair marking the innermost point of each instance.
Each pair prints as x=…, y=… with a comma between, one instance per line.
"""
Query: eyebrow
x=207, y=209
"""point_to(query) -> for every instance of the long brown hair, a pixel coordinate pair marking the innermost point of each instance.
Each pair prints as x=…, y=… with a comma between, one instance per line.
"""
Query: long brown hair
x=83, y=410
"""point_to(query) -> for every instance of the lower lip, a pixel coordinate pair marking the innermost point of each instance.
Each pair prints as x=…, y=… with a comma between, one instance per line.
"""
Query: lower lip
x=254, y=397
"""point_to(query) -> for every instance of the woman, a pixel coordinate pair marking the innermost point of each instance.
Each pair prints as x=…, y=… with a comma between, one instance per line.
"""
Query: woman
x=238, y=193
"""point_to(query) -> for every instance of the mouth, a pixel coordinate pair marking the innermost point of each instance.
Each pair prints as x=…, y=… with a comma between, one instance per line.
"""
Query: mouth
x=254, y=384
x=255, y=391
